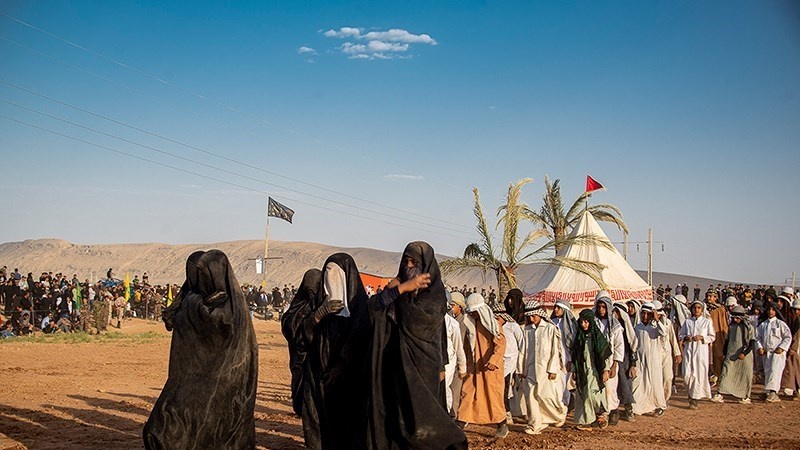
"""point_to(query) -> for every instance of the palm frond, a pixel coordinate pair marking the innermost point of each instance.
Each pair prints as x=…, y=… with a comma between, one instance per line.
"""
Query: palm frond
x=483, y=228
x=458, y=265
x=510, y=218
x=609, y=213
x=574, y=211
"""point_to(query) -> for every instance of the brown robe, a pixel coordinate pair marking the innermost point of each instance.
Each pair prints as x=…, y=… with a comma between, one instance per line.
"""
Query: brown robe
x=791, y=372
x=482, y=391
x=719, y=320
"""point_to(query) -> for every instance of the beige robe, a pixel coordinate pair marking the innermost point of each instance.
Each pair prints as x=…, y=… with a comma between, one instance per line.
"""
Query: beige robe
x=482, y=391
x=791, y=372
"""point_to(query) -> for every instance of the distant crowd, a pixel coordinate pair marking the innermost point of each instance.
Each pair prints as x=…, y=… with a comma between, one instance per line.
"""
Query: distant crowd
x=57, y=303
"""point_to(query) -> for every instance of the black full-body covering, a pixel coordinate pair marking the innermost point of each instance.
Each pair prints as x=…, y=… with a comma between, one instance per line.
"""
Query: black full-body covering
x=297, y=334
x=210, y=393
x=406, y=360
x=333, y=395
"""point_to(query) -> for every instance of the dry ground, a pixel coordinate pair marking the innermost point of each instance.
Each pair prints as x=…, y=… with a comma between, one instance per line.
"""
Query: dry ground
x=97, y=395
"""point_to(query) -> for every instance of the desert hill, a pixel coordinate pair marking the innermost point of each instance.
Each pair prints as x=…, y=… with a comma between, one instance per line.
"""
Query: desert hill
x=164, y=263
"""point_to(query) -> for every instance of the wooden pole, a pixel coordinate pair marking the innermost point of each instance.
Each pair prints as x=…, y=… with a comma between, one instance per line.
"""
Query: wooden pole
x=650, y=256
x=264, y=263
x=625, y=245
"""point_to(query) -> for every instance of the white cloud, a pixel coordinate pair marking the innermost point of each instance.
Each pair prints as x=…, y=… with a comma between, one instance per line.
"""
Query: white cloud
x=379, y=46
x=344, y=32
x=398, y=35
x=399, y=177
x=304, y=49
x=391, y=44
x=352, y=49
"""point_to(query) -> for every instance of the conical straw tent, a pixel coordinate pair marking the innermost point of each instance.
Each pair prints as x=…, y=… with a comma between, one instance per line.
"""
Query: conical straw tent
x=619, y=278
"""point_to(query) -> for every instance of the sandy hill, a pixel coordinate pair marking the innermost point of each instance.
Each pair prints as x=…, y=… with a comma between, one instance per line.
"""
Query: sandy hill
x=164, y=263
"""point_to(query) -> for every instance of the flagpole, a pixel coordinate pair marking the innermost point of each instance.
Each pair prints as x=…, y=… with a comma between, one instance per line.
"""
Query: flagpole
x=266, y=250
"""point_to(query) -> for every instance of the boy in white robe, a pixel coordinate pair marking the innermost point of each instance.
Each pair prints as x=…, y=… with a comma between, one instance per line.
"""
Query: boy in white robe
x=456, y=358
x=671, y=350
x=696, y=333
x=773, y=338
x=612, y=330
x=541, y=371
x=648, y=386
x=564, y=319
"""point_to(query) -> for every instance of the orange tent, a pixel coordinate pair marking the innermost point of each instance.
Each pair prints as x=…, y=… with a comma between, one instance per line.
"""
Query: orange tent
x=375, y=281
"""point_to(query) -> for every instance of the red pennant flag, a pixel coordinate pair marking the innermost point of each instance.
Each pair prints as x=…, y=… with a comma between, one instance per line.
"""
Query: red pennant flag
x=592, y=184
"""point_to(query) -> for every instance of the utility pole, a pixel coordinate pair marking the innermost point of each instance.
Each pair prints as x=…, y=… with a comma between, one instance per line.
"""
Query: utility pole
x=625, y=245
x=792, y=280
x=650, y=256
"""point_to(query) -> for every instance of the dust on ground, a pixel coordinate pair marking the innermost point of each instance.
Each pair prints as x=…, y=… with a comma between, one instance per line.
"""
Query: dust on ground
x=97, y=393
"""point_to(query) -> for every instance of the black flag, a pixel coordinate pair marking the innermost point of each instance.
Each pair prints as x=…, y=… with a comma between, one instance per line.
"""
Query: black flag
x=275, y=209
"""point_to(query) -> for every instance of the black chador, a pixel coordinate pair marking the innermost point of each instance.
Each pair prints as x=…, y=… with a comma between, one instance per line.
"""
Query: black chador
x=406, y=362
x=210, y=393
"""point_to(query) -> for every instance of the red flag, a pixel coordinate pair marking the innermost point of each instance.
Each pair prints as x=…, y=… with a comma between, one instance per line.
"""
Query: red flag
x=592, y=184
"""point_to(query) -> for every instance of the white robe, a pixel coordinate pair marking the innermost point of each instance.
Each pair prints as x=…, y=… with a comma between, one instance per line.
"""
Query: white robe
x=617, y=343
x=648, y=386
x=771, y=335
x=456, y=358
x=541, y=355
x=671, y=349
x=695, y=356
x=565, y=358
x=513, y=334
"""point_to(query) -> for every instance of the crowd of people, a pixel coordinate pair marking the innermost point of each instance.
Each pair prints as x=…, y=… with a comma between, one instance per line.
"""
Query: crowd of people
x=618, y=359
x=420, y=374
x=56, y=303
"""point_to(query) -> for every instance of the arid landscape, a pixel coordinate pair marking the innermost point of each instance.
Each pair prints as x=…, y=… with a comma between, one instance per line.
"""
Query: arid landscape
x=79, y=392
x=164, y=263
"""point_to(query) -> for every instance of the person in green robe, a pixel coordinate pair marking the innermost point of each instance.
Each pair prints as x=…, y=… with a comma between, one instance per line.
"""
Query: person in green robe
x=590, y=367
x=736, y=377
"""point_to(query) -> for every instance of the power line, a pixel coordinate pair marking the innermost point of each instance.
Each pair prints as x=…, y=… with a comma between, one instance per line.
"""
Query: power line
x=130, y=155
x=377, y=204
x=216, y=155
x=209, y=166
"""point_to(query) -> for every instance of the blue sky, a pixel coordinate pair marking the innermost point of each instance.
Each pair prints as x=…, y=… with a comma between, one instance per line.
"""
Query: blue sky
x=688, y=112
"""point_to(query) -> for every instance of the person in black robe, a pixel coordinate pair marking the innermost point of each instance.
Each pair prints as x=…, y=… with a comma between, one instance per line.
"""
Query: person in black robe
x=333, y=334
x=515, y=306
x=209, y=398
x=292, y=326
x=406, y=361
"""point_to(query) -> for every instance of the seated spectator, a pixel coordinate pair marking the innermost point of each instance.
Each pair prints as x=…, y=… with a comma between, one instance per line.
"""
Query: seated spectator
x=25, y=325
x=48, y=326
x=64, y=324
x=7, y=331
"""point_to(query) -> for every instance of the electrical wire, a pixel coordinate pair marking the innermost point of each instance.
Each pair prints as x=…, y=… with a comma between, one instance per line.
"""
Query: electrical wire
x=209, y=166
x=222, y=157
x=179, y=169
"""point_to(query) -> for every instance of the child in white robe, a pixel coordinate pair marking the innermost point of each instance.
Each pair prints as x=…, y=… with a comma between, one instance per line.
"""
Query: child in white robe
x=696, y=333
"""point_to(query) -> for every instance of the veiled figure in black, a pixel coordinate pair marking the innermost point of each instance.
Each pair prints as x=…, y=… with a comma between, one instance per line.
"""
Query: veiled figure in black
x=405, y=411
x=297, y=334
x=332, y=334
x=210, y=393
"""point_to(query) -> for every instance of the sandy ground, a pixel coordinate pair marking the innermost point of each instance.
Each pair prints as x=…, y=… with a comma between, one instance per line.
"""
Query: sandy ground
x=97, y=395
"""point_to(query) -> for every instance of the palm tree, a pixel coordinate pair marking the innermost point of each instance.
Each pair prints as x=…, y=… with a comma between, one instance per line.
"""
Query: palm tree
x=513, y=251
x=552, y=218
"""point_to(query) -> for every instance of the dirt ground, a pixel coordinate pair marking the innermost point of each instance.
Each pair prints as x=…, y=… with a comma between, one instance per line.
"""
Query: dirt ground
x=98, y=394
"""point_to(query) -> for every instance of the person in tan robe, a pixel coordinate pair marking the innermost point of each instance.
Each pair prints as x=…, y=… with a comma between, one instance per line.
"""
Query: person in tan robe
x=790, y=381
x=482, y=389
x=719, y=320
